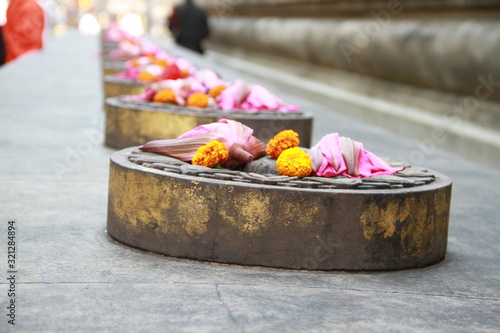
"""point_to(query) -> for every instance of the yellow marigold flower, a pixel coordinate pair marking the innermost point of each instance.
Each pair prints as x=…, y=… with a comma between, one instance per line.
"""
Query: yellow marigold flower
x=146, y=77
x=161, y=62
x=282, y=141
x=210, y=154
x=165, y=96
x=199, y=100
x=294, y=162
x=215, y=91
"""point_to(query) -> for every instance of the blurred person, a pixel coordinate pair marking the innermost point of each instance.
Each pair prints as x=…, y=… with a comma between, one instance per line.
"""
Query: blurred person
x=3, y=51
x=189, y=26
x=23, y=31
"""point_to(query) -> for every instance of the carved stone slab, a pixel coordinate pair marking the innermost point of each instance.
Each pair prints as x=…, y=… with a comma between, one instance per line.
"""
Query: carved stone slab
x=170, y=207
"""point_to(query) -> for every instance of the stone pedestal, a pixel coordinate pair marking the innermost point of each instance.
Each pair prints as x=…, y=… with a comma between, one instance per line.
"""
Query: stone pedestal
x=130, y=123
x=112, y=66
x=170, y=207
x=115, y=86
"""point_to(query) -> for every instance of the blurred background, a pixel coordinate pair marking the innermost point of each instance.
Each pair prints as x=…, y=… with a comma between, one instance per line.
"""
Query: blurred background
x=434, y=57
x=135, y=16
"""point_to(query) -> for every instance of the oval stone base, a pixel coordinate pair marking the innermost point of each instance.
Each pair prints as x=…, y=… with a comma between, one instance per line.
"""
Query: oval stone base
x=112, y=66
x=131, y=123
x=177, y=210
x=107, y=47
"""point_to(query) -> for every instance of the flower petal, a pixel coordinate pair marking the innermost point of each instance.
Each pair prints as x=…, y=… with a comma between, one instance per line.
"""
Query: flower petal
x=182, y=149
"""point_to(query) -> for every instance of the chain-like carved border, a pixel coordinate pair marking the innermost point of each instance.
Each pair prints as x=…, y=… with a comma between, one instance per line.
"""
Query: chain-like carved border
x=409, y=177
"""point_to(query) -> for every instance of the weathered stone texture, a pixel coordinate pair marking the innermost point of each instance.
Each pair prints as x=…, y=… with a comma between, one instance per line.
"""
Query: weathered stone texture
x=446, y=55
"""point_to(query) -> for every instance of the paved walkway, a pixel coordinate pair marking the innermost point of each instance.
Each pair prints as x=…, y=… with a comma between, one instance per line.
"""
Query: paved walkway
x=71, y=277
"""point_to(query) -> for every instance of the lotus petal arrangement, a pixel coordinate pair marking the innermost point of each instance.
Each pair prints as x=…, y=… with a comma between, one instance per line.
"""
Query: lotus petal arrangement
x=231, y=144
x=242, y=146
x=226, y=96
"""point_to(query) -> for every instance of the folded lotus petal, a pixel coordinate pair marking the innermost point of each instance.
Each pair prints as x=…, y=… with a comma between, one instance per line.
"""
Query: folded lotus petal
x=148, y=48
x=114, y=33
x=232, y=97
x=162, y=55
x=146, y=96
x=185, y=65
x=330, y=147
x=255, y=147
x=126, y=49
x=333, y=156
x=181, y=87
x=221, y=127
x=260, y=98
x=172, y=72
x=182, y=149
x=316, y=158
x=371, y=165
x=209, y=78
x=139, y=61
x=350, y=151
x=289, y=108
x=131, y=73
x=154, y=70
x=232, y=133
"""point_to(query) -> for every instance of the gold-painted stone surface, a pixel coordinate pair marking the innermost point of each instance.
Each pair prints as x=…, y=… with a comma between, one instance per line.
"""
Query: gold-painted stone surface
x=303, y=213
x=129, y=124
x=126, y=127
x=114, y=86
x=250, y=224
x=417, y=234
x=146, y=205
x=249, y=212
x=383, y=221
x=110, y=71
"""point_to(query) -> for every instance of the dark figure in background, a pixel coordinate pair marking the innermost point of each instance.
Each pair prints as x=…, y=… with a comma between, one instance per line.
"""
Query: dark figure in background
x=188, y=24
x=3, y=50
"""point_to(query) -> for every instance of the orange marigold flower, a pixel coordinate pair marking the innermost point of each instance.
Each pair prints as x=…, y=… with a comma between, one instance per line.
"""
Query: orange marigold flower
x=199, y=100
x=161, y=62
x=146, y=77
x=211, y=154
x=134, y=62
x=215, y=91
x=282, y=141
x=165, y=96
x=294, y=162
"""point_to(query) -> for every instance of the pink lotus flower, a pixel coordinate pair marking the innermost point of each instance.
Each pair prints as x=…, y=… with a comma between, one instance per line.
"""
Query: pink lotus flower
x=209, y=78
x=184, y=65
x=134, y=47
x=243, y=96
x=126, y=49
x=113, y=33
x=146, y=96
x=132, y=73
x=182, y=88
x=243, y=146
x=334, y=155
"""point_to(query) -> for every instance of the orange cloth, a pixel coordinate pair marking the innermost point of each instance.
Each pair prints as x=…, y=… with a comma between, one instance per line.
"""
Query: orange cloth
x=23, y=31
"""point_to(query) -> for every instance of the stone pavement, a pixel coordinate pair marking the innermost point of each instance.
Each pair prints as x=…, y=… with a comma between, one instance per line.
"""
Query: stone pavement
x=71, y=277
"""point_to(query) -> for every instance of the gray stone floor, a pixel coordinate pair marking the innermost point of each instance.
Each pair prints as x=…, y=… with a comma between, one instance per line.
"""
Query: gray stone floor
x=71, y=277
